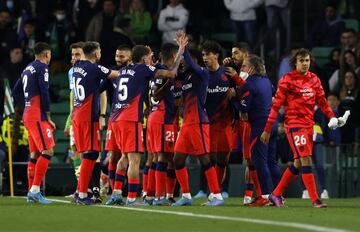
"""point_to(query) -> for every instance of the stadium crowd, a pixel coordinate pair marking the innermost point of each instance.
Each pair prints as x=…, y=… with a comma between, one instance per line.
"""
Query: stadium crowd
x=209, y=106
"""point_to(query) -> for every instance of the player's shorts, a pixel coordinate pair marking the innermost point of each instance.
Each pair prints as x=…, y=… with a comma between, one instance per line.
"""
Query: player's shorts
x=245, y=138
x=40, y=135
x=128, y=136
x=220, y=138
x=110, y=142
x=162, y=137
x=301, y=141
x=86, y=135
x=193, y=139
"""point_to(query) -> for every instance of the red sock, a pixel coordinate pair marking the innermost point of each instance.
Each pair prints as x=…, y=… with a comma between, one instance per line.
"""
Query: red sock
x=309, y=182
x=145, y=178
x=254, y=178
x=119, y=180
x=133, y=184
x=212, y=180
x=112, y=170
x=151, y=181
x=249, y=190
x=86, y=170
x=41, y=168
x=288, y=177
x=170, y=181
x=220, y=173
x=31, y=172
x=160, y=179
x=183, y=178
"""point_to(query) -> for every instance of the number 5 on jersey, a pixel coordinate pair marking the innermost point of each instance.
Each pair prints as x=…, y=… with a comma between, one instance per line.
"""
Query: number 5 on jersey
x=122, y=89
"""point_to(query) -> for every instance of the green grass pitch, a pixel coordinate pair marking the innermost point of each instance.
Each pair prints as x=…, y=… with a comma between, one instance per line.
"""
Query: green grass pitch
x=342, y=215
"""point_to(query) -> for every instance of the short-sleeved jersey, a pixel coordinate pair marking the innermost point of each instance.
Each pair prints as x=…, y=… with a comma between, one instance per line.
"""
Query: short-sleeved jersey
x=35, y=85
x=194, y=85
x=256, y=100
x=217, y=103
x=298, y=93
x=87, y=77
x=132, y=86
x=162, y=111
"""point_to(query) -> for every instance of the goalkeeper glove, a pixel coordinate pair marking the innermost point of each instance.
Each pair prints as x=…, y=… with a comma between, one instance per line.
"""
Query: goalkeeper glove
x=333, y=123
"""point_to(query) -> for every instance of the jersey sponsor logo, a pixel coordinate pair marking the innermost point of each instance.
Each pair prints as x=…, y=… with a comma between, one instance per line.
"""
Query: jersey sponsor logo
x=127, y=72
x=307, y=92
x=46, y=77
x=103, y=69
x=218, y=89
x=186, y=86
x=121, y=106
x=80, y=70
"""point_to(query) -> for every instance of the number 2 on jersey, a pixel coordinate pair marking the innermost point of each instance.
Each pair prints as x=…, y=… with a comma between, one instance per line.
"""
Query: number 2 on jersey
x=122, y=89
x=24, y=82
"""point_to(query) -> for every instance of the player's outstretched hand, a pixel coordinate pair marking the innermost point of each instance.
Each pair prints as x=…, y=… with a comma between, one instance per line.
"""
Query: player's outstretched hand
x=102, y=123
x=342, y=120
x=265, y=137
x=333, y=123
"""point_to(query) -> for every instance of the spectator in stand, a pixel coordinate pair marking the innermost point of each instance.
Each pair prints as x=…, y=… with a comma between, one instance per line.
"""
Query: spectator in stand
x=277, y=16
x=13, y=68
x=326, y=32
x=243, y=19
x=329, y=68
x=83, y=12
x=140, y=21
x=333, y=137
x=349, y=100
x=27, y=42
x=8, y=35
x=350, y=41
x=173, y=18
x=348, y=61
x=59, y=35
x=102, y=24
x=285, y=63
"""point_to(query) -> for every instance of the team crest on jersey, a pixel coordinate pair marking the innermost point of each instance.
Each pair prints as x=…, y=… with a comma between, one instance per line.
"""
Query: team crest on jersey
x=224, y=77
x=152, y=68
x=103, y=69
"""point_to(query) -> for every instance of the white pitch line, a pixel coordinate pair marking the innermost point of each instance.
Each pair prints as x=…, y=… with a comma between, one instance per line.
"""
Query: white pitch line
x=225, y=218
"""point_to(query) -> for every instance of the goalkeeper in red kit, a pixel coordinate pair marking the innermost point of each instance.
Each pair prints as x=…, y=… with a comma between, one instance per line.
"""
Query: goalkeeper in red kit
x=298, y=91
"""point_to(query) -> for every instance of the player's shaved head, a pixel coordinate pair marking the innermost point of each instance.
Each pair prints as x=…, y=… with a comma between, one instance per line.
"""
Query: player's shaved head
x=41, y=47
x=138, y=53
x=168, y=51
x=90, y=48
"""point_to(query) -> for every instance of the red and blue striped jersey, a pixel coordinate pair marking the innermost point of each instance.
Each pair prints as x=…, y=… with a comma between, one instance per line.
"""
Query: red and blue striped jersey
x=87, y=77
x=217, y=103
x=33, y=87
x=194, y=85
x=132, y=86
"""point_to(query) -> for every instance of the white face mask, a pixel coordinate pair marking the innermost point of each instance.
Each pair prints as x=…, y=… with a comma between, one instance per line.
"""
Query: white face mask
x=60, y=17
x=244, y=75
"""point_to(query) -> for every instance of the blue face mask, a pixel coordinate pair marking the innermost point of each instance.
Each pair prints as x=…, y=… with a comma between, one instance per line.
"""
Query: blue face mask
x=10, y=4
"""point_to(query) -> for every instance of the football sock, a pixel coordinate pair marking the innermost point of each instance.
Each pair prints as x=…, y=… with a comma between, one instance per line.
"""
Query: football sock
x=133, y=184
x=309, y=182
x=151, y=180
x=183, y=178
x=145, y=178
x=160, y=179
x=211, y=178
x=170, y=182
x=86, y=169
x=119, y=180
x=112, y=171
x=40, y=171
x=255, y=179
x=249, y=189
x=31, y=171
x=288, y=177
